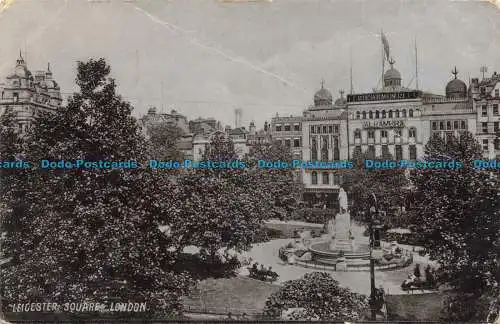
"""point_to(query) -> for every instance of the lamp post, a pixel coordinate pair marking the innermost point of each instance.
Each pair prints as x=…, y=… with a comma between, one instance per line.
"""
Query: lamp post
x=372, y=211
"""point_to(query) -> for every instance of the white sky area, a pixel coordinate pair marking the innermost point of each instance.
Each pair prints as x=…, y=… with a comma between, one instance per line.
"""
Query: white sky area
x=211, y=57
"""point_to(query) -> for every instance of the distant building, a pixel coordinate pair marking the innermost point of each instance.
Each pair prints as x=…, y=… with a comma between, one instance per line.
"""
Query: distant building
x=27, y=95
x=173, y=118
x=204, y=126
x=486, y=99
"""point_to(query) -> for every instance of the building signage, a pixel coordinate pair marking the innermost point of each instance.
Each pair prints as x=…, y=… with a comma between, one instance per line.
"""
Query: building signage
x=384, y=124
x=381, y=96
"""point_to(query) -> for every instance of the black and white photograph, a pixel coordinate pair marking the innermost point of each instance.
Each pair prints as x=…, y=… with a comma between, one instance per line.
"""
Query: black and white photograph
x=260, y=161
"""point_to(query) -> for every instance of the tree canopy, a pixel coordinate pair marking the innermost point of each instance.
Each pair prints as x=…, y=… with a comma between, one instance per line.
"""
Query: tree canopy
x=88, y=234
x=457, y=213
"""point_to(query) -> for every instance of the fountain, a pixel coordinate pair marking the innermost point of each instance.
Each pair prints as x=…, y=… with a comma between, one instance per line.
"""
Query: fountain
x=340, y=248
x=343, y=248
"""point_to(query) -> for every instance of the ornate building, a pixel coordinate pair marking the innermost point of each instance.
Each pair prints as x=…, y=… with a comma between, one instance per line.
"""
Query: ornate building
x=27, y=95
x=397, y=122
x=324, y=129
x=486, y=99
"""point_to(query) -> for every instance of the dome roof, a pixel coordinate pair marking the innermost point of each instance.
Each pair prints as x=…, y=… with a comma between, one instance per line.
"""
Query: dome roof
x=341, y=101
x=21, y=71
x=51, y=84
x=391, y=74
x=456, y=88
x=323, y=97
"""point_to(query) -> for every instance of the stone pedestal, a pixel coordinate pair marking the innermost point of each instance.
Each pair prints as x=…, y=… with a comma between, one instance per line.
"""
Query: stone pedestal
x=341, y=240
x=341, y=264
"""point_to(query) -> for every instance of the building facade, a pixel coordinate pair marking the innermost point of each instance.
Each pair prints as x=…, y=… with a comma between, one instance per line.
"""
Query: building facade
x=393, y=122
x=27, y=95
x=485, y=95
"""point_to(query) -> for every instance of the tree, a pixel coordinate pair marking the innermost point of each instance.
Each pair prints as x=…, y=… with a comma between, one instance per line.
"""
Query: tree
x=281, y=183
x=458, y=212
x=216, y=210
x=89, y=234
x=163, y=141
x=320, y=296
x=388, y=185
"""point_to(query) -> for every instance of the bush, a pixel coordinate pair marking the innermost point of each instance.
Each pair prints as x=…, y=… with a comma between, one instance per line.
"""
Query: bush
x=312, y=215
x=266, y=234
x=320, y=295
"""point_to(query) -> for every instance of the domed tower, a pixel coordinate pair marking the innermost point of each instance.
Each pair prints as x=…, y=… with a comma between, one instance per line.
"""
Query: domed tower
x=456, y=88
x=21, y=76
x=342, y=101
x=52, y=87
x=152, y=111
x=323, y=97
x=392, y=77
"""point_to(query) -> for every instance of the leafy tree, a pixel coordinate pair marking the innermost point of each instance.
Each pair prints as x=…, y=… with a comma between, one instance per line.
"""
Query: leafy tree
x=163, y=141
x=321, y=297
x=388, y=185
x=90, y=234
x=458, y=212
x=281, y=183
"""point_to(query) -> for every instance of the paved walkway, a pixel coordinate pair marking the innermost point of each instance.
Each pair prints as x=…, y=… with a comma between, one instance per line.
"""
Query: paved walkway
x=267, y=254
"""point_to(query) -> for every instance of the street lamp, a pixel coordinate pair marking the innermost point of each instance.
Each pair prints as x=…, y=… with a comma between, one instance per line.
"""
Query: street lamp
x=372, y=211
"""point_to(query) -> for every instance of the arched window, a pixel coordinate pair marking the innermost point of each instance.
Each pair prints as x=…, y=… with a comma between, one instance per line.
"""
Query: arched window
x=364, y=114
x=358, y=115
x=410, y=113
x=384, y=114
x=314, y=178
x=390, y=113
x=404, y=113
x=397, y=113
x=357, y=133
x=326, y=179
x=377, y=114
x=370, y=114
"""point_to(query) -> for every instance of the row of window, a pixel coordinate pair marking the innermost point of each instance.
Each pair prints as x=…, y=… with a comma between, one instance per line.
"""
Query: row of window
x=449, y=125
x=484, y=127
x=325, y=178
x=324, y=129
x=484, y=110
x=496, y=144
x=497, y=91
x=287, y=128
x=384, y=114
x=297, y=142
x=398, y=152
x=384, y=133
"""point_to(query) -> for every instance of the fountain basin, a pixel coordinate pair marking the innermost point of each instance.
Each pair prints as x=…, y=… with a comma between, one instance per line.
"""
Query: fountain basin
x=321, y=253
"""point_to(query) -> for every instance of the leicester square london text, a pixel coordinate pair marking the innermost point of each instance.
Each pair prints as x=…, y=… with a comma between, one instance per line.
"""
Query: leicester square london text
x=78, y=307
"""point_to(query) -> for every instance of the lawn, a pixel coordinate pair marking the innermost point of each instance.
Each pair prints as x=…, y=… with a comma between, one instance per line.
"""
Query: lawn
x=419, y=308
x=236, y=295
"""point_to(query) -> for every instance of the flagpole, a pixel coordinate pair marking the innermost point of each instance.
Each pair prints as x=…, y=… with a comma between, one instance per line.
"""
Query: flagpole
x=416, y=61
x=350, y=56
x=383, y=60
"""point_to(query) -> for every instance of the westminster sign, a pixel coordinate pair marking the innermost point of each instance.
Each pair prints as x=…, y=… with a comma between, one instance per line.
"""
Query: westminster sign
x=381, y=96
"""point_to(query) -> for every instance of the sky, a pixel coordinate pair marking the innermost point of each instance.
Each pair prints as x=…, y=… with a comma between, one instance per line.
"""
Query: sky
x=205, y=58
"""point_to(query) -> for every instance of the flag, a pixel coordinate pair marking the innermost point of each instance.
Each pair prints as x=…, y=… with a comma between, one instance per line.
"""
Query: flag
x=385, y=43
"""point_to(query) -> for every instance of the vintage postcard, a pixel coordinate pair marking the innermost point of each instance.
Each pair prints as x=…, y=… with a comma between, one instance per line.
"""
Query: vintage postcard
x=249, y=160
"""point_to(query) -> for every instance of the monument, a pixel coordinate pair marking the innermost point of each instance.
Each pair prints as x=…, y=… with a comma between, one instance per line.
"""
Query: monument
x=339, y=229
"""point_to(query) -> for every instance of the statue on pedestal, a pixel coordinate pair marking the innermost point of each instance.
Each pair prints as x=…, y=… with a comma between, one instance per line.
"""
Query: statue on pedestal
x=340, y=227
